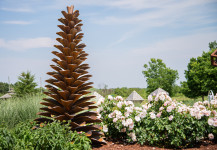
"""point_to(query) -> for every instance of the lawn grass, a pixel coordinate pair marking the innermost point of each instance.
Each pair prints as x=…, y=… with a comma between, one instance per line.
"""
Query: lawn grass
x=15, y=110
x=186, y=100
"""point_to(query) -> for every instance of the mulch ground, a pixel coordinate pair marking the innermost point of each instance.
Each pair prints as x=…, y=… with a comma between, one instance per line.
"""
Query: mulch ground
x=120, y=146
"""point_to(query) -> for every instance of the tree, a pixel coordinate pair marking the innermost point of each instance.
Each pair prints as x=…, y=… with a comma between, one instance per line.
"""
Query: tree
x=159, y=76
x=201, y=77
x=4, y=87
x=69, y=84
x=212, y=45
x=25, y=84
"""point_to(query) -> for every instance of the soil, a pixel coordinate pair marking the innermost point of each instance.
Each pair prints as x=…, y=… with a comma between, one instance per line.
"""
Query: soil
x=120, y=146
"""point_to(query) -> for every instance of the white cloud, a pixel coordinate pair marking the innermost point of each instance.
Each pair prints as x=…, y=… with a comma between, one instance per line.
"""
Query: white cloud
x=25, y=10
x=134, y=4
x=167, y=13
x=16, y=22
x=26, y=43
x=118, y=69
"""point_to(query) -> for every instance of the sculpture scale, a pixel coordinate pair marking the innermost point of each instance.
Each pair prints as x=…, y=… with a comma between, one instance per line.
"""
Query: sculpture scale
x=69, y=84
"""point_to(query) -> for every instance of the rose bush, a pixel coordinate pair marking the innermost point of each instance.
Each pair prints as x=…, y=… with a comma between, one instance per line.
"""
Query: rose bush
x=162, y=121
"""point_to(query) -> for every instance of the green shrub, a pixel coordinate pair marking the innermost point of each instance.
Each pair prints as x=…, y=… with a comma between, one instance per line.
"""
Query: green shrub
x=161, y=122
x=4, y=87
x=7, y=140
x=50, y=136
x=55, y=136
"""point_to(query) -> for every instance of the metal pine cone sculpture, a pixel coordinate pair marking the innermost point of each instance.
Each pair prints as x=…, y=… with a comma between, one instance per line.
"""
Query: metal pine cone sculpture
x=69, y=85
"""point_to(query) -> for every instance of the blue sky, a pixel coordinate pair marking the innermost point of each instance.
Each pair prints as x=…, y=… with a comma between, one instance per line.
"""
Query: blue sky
x=121, y=36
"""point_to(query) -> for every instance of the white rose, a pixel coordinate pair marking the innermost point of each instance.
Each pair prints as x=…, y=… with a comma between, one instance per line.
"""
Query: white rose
x=99, y=116
x=211, y=136
x=171, y=117
x=133, y=136
x=105, y=128
x=169, y=109
x=162, y=97
x=115, y=120
x=131, y=126
x=129, y=121
x=119, y=98
x=119, y=104
x=210, y=121
x=126, y=114
x=100, y=101
x=124, y=123
x=215, y=123
x=143, y=114
x=159, y=114
x=161, y=108
x=110, y=97
x=152, y=115
x=150, y=98
x=137, y=118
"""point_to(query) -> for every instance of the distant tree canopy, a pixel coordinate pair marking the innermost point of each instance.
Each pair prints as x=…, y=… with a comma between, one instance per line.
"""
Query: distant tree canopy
x=25, y=84
x=4, y=87
x=201, y=77
x=212, y=45
x=159, y=76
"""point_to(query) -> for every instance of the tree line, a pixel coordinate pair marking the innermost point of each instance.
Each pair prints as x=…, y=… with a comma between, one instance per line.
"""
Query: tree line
x=200, y=76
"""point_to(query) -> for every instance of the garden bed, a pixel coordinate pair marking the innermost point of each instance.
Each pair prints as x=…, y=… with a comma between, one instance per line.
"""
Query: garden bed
x=162, y=122
x=206, y=145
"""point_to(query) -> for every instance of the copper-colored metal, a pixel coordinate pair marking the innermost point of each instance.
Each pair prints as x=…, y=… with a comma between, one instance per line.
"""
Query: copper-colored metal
x=214, y=58
x=69, y=84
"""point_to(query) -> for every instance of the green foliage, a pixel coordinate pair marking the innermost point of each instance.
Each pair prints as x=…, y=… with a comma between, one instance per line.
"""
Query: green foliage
x=162, y=122
x=201, y=77
x=180, y=132
x=54, y=136
x=4, y=87
x=212, y=45
x=26, y=84
x=18, y=109
x=7, y=140
x=159, y=76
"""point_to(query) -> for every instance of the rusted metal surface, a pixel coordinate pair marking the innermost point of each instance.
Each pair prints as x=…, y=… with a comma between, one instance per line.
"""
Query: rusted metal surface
x=214, y=58
x=69, y=84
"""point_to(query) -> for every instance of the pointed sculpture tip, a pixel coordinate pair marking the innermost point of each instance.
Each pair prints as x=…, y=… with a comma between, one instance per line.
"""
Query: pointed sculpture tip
x=70, y=9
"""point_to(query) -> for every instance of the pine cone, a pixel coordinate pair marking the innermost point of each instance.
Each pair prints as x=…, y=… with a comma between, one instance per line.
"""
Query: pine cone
x=69, y=83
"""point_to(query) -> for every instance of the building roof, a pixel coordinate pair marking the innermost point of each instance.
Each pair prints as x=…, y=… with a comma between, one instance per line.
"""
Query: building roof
x=134, y=96
x=6, y=96
x=159, y=90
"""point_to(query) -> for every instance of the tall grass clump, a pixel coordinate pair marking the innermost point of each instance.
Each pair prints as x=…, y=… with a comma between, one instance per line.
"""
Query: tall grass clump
x=19, y=109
